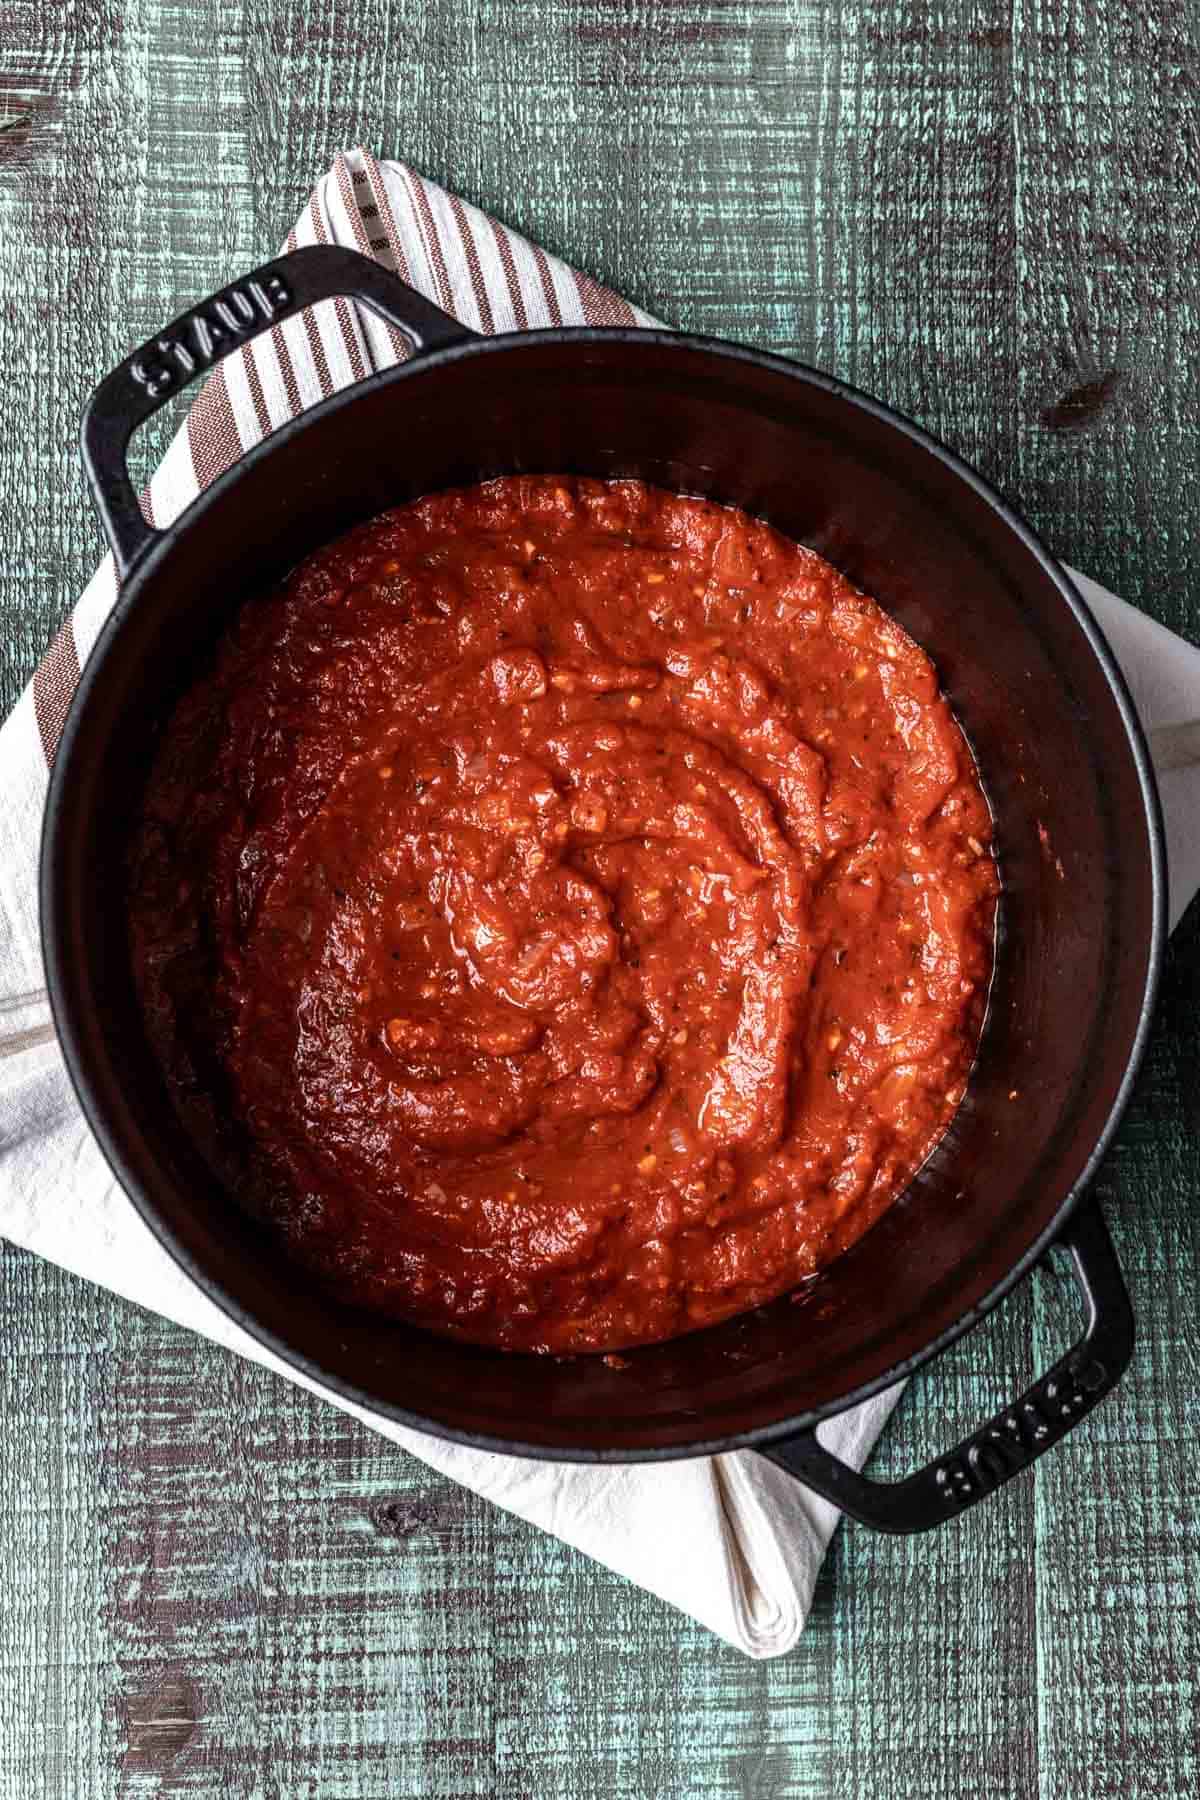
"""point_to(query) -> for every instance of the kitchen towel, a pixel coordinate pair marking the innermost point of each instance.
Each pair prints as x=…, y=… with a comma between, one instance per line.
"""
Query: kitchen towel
x=730, y=1540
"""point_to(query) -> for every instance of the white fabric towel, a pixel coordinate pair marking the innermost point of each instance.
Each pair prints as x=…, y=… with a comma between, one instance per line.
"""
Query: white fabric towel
x=730, y=1540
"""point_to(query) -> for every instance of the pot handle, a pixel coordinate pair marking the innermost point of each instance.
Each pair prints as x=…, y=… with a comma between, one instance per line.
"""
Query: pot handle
x=1014, y=1438
x=204, y=335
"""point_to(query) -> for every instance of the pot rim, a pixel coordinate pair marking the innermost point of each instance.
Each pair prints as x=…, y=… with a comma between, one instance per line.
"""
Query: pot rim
x=575, y=337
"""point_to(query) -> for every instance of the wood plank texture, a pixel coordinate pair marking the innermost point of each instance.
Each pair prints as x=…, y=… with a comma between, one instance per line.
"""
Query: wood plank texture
x=988, y=214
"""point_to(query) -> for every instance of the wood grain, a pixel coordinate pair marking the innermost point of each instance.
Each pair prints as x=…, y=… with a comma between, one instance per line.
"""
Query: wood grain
x=215, y=1585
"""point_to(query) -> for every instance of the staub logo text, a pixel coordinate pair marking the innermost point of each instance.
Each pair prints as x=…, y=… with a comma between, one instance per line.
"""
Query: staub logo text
x=1012, y=1441
x=207, y=333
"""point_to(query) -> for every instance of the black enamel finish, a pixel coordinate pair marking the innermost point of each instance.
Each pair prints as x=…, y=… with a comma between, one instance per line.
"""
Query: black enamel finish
x=1029, y=674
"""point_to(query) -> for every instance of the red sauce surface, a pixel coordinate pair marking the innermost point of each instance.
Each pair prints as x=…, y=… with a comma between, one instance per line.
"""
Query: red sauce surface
x=565, y=910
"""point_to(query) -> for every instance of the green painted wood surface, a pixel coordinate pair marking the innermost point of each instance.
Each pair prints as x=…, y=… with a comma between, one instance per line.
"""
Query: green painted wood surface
x=211, y=1584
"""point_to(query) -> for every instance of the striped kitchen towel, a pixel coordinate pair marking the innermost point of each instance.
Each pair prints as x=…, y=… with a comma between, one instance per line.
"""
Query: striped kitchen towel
x=731, y=1540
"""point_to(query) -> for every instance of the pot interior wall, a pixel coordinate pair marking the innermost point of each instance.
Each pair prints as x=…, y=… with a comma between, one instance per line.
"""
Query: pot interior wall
x=1072, y=833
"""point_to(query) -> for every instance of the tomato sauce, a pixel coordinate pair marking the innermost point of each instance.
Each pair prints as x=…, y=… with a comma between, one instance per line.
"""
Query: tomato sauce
x=564, y=910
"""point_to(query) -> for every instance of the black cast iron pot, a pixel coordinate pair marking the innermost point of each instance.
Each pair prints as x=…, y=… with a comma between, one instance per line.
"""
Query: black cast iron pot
x=1032, y=680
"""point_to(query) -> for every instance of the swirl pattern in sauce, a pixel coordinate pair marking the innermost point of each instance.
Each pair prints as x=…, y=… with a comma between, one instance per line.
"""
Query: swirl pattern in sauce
x=565, y=911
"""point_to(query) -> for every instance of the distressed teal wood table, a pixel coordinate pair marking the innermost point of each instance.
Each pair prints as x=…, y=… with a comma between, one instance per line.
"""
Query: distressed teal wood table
x=212, y=1584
